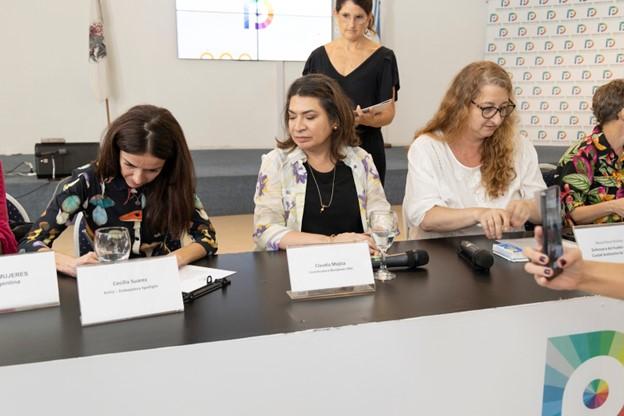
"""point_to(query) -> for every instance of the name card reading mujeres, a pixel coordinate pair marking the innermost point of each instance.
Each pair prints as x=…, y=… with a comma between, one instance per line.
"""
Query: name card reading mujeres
x=28, y=281
x=129, y=289
x=601, y=242
x=330, y=270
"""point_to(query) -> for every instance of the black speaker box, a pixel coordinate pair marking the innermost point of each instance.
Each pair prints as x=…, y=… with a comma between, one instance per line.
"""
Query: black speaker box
x=63, y=157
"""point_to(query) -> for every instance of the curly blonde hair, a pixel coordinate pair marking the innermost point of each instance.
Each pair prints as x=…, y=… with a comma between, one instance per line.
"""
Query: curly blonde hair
x=449, y=122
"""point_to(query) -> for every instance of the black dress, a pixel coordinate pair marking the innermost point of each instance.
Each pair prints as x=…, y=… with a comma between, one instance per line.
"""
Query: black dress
x=368, y=84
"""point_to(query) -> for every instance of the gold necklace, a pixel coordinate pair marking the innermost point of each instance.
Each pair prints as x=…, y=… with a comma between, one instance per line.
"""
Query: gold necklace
x=331, y=197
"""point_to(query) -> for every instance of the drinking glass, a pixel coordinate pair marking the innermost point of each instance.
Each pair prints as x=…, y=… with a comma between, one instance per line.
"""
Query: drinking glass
x=384, y=227
x=112, y=244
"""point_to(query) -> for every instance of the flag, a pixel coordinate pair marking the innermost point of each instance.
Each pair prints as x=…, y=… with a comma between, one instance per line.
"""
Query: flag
x=97, y=53
x=377, y=15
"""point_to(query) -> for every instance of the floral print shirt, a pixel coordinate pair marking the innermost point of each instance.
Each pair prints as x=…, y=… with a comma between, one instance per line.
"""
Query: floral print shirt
x=281, y=189
x=591, y=172
x=112, y=203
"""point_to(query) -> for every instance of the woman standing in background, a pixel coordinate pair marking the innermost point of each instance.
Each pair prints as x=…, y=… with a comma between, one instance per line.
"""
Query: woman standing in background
x=366, y=71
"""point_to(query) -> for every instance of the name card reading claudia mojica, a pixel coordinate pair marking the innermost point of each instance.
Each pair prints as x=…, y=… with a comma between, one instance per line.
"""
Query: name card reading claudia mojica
x=330, y=270
x=28, y=281
x=129, y=289
x=603, y=242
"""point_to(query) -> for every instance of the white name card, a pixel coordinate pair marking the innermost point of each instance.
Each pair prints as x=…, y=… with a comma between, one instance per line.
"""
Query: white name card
x=129, y=289
x=324, y=269
x=28, y=281
x=602, y=242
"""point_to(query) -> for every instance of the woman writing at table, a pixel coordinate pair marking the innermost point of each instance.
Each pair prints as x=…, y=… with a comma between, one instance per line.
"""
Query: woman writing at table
x=366, y=71
x=592, y=171
x=8, y=245
x=317, y=186
x=468, y=173
x=143, y=180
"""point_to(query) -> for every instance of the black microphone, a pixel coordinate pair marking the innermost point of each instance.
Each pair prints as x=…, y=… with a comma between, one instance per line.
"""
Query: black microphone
x=478, y=258
x=409, y=260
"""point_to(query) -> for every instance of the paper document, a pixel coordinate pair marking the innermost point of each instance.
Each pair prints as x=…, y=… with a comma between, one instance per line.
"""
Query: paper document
x=194, y=277
x=377, y=107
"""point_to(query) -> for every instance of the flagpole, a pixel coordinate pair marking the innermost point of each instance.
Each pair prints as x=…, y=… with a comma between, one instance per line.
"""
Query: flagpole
x=107, y=112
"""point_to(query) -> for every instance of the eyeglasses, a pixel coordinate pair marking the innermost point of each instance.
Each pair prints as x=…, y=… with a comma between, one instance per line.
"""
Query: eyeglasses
x=491, y=110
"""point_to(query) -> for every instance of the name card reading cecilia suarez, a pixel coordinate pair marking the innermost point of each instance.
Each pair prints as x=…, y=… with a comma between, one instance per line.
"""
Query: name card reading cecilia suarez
x=129, y=289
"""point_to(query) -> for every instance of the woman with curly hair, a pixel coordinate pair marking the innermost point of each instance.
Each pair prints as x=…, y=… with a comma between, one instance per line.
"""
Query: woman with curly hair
x=468, y=173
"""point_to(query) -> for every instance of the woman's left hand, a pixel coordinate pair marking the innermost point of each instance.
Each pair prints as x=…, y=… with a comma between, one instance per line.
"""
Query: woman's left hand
x=519, y=212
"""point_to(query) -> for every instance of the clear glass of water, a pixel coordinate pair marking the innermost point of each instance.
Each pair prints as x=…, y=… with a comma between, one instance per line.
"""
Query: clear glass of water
x=384, y=227
x=112, y=244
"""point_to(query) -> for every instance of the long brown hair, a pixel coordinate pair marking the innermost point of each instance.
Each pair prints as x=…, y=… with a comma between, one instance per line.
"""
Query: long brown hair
x=336, y=105
x=449, y=122
x=147, y=129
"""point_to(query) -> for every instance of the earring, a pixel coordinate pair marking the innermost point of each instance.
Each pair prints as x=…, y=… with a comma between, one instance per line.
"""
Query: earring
x=335, y=127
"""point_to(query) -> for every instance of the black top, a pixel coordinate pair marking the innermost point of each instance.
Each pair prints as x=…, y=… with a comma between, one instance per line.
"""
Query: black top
x=343, y=215
x=368, y=84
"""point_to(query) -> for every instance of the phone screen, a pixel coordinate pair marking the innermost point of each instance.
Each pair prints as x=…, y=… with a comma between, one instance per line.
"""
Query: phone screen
x=552, y=224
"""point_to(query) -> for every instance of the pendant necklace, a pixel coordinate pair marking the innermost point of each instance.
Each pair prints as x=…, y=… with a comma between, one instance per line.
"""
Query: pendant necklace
x=331, y=197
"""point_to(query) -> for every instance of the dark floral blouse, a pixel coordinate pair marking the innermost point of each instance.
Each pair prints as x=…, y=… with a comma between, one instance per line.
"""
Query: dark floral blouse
x=112, y=203
x=591, y=172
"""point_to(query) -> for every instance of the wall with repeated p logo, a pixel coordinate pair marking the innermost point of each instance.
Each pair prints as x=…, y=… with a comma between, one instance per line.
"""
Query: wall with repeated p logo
x=557, y=52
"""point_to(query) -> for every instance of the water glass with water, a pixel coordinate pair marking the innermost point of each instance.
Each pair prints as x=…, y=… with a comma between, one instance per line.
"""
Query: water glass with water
x=112, y=244
x=384, y=227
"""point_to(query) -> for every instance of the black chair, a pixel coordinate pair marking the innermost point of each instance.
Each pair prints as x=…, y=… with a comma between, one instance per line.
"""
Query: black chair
x=19, y=221
x=17, y=213
x=550, y=174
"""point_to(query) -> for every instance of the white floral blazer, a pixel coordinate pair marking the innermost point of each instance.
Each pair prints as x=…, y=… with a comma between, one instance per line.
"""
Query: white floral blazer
x=281, y=189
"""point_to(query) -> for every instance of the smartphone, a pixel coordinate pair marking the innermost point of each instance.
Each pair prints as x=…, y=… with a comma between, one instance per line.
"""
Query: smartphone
x=550, y=207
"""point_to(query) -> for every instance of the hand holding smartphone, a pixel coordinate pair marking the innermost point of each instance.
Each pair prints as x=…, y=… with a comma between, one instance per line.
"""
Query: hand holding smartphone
x=550, y=208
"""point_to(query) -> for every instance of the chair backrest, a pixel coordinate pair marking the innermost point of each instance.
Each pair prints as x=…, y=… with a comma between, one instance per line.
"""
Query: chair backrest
x=82, y=241
x=550, y=174
x=17, y=213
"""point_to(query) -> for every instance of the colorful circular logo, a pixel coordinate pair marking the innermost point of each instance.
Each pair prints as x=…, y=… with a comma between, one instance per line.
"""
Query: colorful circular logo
x=596, y=394
x=584, y=374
